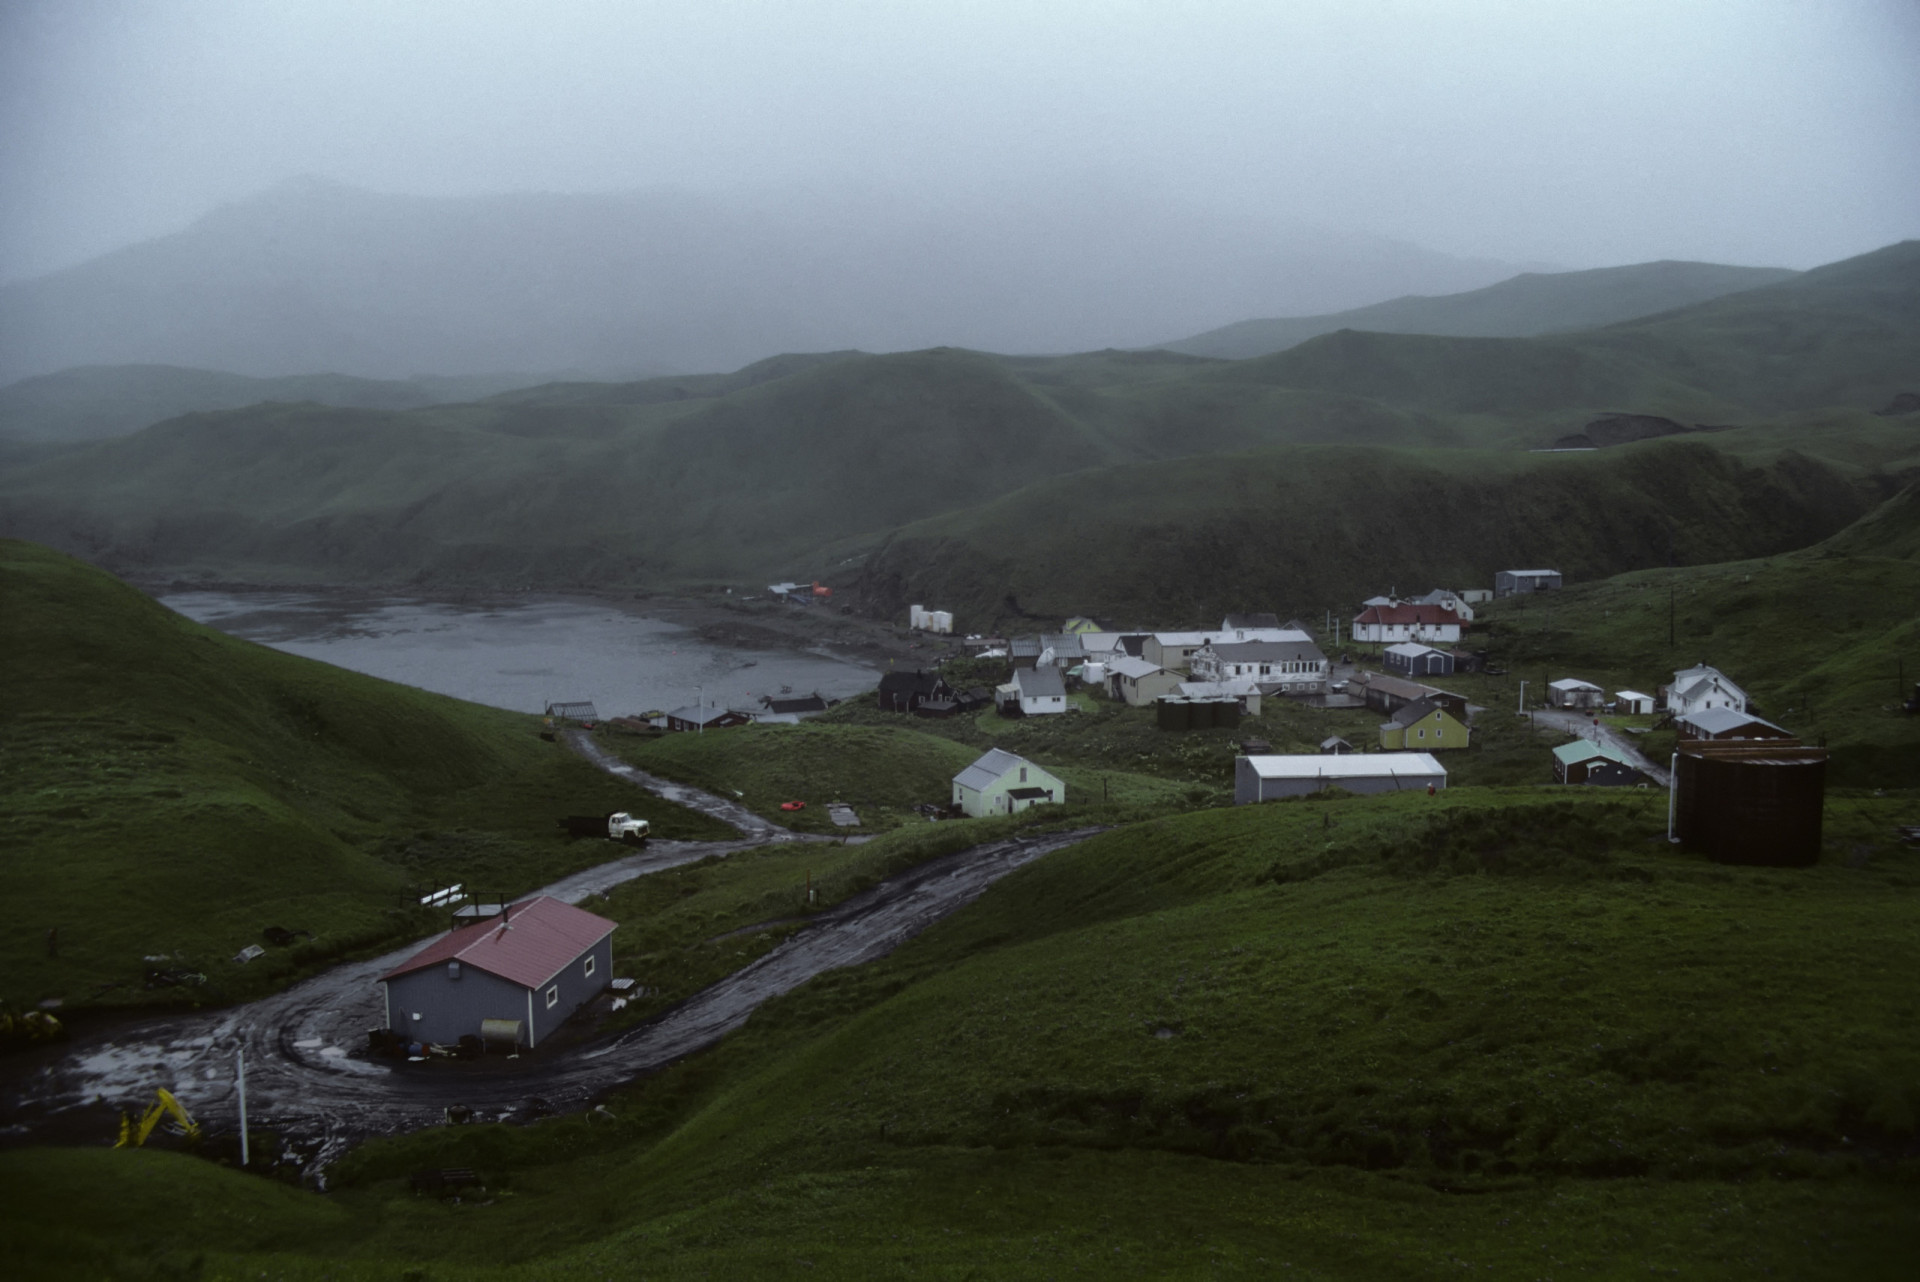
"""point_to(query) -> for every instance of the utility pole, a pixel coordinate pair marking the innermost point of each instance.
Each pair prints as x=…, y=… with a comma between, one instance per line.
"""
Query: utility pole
x=1522, y=709
x=240, y=1079
x=699, y=709
x=1669, y=616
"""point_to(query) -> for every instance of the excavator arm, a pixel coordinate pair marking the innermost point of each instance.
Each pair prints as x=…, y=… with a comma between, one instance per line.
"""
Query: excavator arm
x=135, y=1130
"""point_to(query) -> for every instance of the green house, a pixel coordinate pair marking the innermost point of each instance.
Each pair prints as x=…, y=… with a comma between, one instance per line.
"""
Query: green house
x=1000, y=783
x=1423, y=726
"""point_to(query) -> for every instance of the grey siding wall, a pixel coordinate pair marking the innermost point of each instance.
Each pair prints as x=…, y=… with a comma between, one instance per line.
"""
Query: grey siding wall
x=451, y=1008
x=1249, y=787
x=576, y=988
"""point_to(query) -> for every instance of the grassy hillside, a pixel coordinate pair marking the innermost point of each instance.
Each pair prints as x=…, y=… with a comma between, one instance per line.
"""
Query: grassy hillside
x=1401, y=1036
x=800, y=465
x=171, y=790
x=112, y=400
x=1530, y=304
x=1304, y=529
x=1819, y=638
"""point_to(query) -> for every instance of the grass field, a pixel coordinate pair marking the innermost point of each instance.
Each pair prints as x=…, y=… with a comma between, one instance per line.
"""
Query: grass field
x=1351, y=1039
x=169, y=790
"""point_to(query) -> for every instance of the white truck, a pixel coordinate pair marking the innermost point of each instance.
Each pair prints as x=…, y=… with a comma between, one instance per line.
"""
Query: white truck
x=618, y=826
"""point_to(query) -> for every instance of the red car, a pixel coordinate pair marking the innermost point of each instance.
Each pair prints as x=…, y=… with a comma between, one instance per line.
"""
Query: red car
x=793, y=805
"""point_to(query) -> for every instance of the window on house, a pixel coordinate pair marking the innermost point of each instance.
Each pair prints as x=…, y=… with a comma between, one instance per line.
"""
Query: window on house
x=1423, y=732
x=553, y=997
x=1023, y=774
x=588, y=967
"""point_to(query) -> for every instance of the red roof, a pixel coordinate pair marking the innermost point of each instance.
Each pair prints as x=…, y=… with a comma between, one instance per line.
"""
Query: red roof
x=1407, y=614
x=539, y=939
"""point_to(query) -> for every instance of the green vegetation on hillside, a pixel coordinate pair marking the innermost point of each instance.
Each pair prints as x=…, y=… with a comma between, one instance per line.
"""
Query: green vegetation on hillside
x=802, y=465
x=173, y=791
x=1283, y=1038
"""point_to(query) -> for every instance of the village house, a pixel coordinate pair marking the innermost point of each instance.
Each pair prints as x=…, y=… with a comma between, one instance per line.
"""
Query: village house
x=799, y=705
x=1000, y=783
x=1175, y=650
x=1080, y=625
x=1275, y=777
x=1412, y=659
x=1025, y=651
x=1571, y=692
x=1425, y=726
x=1387, y=624
x=522, y=973
x=906, y=691
x=705, y=718
x=1449, y=600
x=1040, y=691
x=1390, y=694
x=1521, y=582
x=1701, y=687
x=1585, y=761
x=1241, y=622
x=1726, y=723
x=1061, y=650
x=1139, y=682
x=1290, y=667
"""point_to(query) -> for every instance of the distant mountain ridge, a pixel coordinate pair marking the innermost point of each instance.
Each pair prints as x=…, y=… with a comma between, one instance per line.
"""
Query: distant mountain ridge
x=315, y=276
x=1530, y=304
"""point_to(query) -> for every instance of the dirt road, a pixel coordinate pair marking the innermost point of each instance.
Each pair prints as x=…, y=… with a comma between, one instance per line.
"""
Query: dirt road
x=309, y=1079
x=1582, y=725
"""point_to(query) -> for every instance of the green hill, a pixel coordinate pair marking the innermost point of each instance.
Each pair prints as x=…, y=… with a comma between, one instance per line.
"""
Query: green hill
x=800, y=465
x=1507, y=1032
x=1308, y=528
x=1530, y=304
x=172, y=791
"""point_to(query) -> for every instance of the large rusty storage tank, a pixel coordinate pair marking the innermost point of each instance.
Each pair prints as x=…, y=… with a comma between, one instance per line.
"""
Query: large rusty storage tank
x=1742, y=802
x=1174, y=713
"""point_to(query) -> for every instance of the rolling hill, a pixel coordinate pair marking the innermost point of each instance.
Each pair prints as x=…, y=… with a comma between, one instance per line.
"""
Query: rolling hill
x=1530, y=304
x=171, y=791
x=803, y=464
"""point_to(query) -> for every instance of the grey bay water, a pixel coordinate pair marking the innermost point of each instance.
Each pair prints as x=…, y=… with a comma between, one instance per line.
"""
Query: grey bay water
x=523, y=654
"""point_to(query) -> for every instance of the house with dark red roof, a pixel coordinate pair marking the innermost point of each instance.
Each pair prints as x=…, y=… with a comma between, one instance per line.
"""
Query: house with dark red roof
x=1407, y=621
x=532, y=966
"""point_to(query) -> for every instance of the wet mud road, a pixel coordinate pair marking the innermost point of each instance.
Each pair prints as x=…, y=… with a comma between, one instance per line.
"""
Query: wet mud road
x=309, y=1080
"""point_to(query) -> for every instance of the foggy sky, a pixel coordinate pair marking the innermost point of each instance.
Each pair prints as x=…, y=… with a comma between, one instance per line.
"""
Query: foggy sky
x=1579, y=134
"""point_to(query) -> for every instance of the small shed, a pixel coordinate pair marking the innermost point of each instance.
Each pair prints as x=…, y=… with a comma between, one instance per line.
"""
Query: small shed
x=906, y=691
x=538, y=962
x=583, y=713
x=1586, y=761
x=1571, y=692
x=1411, y=659
x=1335, y=745
x=1138, y=682
x=1002, y=783
x=1633, y=703
x=1271, y=778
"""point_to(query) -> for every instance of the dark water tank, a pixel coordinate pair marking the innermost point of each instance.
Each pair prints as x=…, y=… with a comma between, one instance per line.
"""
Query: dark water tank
x=1746, y=802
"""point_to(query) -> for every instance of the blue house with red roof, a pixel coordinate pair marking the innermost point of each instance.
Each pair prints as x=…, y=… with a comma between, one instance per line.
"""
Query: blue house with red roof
x=533, y=965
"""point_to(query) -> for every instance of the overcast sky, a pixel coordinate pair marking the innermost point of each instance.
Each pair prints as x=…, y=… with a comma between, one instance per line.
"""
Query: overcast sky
x=1582, y=134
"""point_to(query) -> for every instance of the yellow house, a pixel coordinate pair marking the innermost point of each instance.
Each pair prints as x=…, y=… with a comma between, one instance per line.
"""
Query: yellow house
x=1423, y=726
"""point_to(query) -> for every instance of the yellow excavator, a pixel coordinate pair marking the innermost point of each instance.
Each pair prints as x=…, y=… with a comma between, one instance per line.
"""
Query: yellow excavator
x=135, y=1130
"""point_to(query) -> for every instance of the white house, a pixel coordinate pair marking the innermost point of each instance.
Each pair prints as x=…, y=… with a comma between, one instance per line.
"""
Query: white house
x=1451, y=600
x=1040, y=690
x=1175, y=650
x=1386, y=624
x=1295, y=667
x=1701, y=687
x=1000, y=783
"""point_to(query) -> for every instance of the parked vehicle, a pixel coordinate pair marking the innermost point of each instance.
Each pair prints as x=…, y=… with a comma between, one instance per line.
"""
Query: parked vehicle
x=618, y=826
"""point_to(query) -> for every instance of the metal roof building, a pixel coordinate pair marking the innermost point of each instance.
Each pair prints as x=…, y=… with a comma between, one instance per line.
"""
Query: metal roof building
x=532, y=966
x=1270, y=778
